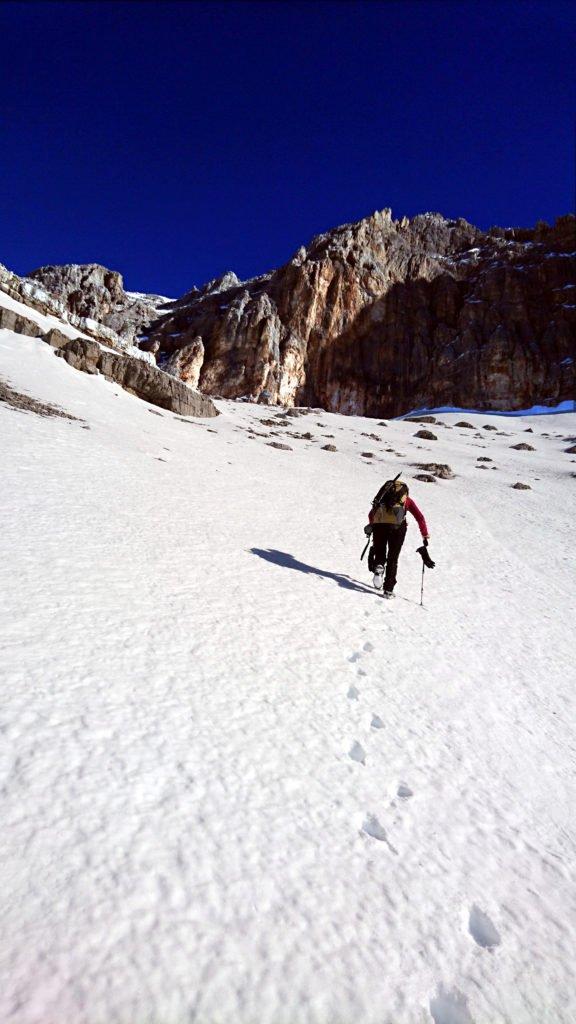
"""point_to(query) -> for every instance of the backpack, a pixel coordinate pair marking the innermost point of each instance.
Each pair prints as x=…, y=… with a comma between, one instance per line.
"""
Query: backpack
x=389, y=504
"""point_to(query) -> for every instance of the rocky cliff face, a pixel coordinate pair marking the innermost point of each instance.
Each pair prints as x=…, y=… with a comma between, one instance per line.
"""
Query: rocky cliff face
x=383, y=316
x=96, y=293
x=101, y=350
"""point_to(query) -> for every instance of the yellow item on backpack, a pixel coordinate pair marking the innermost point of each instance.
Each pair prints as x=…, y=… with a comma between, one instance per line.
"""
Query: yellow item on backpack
x=389, y=505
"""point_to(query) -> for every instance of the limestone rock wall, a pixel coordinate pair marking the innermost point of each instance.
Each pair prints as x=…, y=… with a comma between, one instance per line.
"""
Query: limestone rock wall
x=93, y=292
x=375, y=318
x=382, y=316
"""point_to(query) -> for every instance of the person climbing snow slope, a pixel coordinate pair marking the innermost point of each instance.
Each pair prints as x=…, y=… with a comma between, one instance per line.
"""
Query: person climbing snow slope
x=387, y=526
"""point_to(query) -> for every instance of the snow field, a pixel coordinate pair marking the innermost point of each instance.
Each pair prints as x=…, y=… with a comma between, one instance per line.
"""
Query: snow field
x=237, y=785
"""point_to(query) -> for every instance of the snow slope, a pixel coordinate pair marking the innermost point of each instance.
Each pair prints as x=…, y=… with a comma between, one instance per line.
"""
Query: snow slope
x=239, y=787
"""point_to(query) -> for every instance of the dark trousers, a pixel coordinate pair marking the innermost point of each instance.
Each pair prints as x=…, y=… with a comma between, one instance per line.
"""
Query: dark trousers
x=387, y=542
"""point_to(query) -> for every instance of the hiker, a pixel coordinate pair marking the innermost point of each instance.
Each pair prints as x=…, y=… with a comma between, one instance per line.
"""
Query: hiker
x=387, y=526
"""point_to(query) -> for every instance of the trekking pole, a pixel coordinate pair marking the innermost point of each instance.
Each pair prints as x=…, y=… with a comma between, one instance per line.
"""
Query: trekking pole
x=426, y=562
x=364, y=552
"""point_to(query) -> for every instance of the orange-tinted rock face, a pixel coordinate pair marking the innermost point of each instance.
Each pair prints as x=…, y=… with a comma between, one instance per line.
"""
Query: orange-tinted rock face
x=375, y=318
x=383, y=316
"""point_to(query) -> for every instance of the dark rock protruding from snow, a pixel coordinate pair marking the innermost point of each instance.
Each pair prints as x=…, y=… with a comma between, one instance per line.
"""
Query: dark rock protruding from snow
x=139, y=377
x=519, y=486
x=25, y=403
x=12, y=321
x=440, y=469
x=426, y=435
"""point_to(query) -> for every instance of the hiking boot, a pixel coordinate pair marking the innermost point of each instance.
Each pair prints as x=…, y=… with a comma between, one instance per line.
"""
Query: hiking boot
x=388, y=594
x=378, y=577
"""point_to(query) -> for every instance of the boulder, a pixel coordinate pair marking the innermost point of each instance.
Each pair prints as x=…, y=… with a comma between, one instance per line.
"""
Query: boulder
x=467, y=426
x=56, y=338
x=426, y=435
x=523, y=447
x=439, y=469
x=277, y=444
x=521, y=487
x=329, y=448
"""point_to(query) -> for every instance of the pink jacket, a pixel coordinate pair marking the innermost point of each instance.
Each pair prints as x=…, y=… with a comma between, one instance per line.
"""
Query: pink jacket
x=412, y=507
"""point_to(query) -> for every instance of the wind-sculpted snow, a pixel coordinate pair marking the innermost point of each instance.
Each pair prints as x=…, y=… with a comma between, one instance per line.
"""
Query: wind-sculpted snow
x=238, y=785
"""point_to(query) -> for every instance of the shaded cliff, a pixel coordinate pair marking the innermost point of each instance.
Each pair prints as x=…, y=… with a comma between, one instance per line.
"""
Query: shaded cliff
x=382, y=316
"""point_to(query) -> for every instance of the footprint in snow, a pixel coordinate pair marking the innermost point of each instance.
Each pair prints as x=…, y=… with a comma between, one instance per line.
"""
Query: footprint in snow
x=482, y=930
x=404, y=791
x=377, y=722
x=357, y=753
x=355, y=657
x=375, y=830
x=353, y=693
x=368, y=646
x=450, y=1008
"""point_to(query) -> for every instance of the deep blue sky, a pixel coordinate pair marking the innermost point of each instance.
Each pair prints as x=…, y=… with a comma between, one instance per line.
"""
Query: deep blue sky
x=174, y=141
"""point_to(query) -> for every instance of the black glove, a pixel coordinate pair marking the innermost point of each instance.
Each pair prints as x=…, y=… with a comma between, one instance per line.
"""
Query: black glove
x=426, y=557
x=368, y=530
x=425, y=542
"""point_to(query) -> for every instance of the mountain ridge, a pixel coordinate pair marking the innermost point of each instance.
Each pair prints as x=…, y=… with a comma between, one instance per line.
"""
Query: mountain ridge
x=372, y=317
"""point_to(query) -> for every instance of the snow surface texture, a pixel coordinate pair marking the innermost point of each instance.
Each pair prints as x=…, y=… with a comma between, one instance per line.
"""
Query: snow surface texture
x=239, y=787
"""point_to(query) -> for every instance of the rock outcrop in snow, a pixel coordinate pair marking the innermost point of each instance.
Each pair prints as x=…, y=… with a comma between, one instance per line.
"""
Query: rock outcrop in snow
x=137, y=376
x=31, y=294
x=96, y=293
x=132, y=369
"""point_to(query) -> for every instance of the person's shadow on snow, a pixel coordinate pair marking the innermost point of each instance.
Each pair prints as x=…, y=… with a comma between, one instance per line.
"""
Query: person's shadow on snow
x=289, y=562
